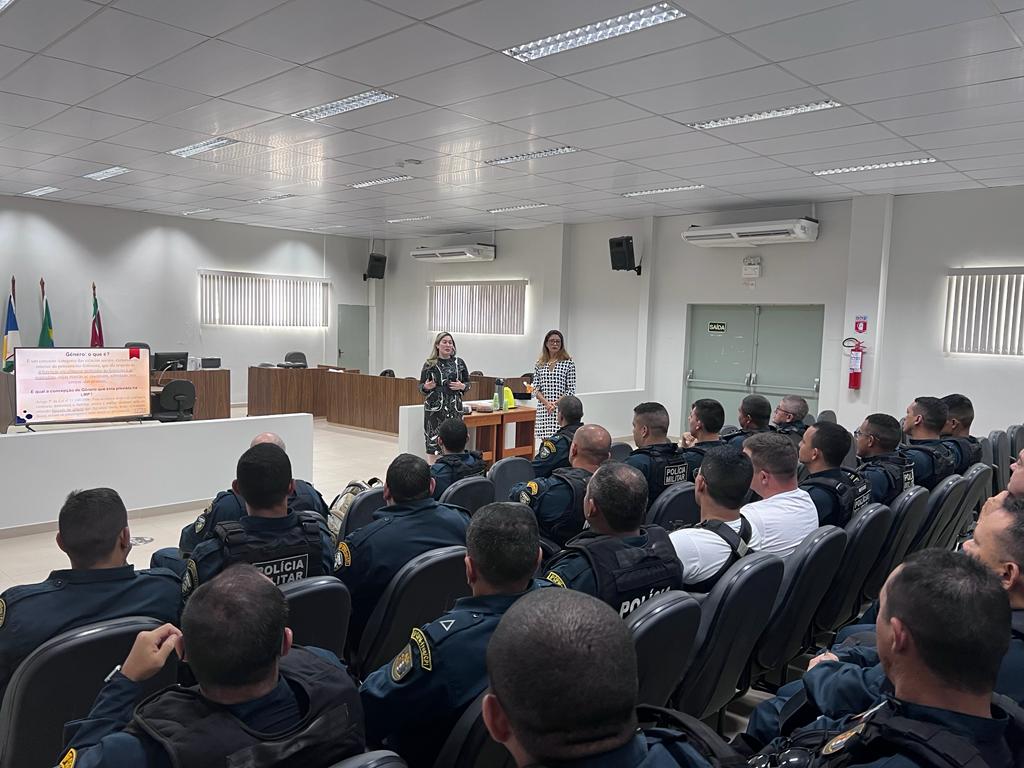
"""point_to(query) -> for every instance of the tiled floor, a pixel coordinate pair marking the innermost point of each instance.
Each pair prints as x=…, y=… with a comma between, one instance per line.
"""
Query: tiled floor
x=339, y=455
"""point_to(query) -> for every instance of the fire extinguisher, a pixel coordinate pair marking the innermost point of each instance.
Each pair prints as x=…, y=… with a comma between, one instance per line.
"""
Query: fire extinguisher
x=857, y=350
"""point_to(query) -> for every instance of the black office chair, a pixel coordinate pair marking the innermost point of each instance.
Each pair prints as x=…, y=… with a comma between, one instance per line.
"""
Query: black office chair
x=829, y=416
x=296, y=360
x=507, y=472
x=620, y=451
x=664, y=630
x=986, y=450
x=732, y=617
x=319, y=609
x=675, y=506
x=387, y=373
x=469, y=745
x=361, y=511
x=943, y=501
x=978, y=478
x=909, y=510
x=1000, y=459
x=424, y=588
x=177, y=400
x=379, y=758
x=58, y=682
x=140, y=345
x=809, y=419
x=470, y=493
x=850, y=461
x=1015, y=436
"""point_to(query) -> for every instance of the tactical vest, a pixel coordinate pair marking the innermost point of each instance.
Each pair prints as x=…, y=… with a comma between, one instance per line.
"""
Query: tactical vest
x=571, y=522
x=740, y=435
x=969, y=449
x=198, y=733
x=943, y=463
x=739, y=543
x=460, y=469
x=702, y=450
x=898, y=469
x=282, y=556
x=670, y=728
x=852, y=494
x=668, y=467
x=791, y=428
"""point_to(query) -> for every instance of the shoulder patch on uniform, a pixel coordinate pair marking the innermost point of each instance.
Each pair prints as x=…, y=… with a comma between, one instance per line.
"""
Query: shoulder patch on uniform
x=68, y=761
x=546, y=449
x=421, y=642
x=555, y=579
x=201, y=522
x=343, y=557
x=190, y=580
x=401, y=665
x=446, y=624
x=839, y=742
x=3, y=612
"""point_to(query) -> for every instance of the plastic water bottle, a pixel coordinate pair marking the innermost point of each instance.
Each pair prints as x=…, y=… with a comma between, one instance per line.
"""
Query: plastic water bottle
x=499, y=395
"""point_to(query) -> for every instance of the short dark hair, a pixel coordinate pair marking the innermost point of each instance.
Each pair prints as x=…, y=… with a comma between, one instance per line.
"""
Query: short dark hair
x=832, y=440
x=620, y=492
x=563, y=666
x=654, y=416
x=710, y=413
x=727, y=471
x=408, y=478
x=264, y=473
x=958, y=613
x=1013, y=537
x=959, y=407
x=453, y=433
x=571, y=408
x=757, y=408
x=503, y=540
x=886, y=430
x=933, y=412
x=797, y=406
x=772, y=452
x=233, y=627
x=89, y=523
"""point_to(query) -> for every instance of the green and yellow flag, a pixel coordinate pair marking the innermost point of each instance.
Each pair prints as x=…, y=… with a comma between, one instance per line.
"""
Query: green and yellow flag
x=46, y=331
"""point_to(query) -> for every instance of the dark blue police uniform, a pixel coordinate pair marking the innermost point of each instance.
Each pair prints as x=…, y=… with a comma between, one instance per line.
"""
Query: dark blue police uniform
x=557, y=501
x=554, y=452
x=369, y=557
x=829, y=510
x=888, y=474
x=643, y=751
x=838, y=494
x=695, y=454
x=966, y=451
x=662, y=465
x=933, y=461
x=412, y=703
x=285, y=549
x=31, y=614
x=455, y=466
x=735, y=439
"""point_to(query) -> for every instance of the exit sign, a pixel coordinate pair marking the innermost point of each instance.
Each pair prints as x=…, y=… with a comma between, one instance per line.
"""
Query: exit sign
x=716, y=327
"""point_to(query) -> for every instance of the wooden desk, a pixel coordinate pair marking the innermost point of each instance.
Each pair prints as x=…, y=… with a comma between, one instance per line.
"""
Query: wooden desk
x=213, y=390
x=490, y=433
x=368, y=402
x=287, y=390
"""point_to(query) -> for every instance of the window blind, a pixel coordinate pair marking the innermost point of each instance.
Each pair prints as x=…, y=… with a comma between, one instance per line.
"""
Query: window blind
x=983, y=311
x=268, y=301
x=494, y=307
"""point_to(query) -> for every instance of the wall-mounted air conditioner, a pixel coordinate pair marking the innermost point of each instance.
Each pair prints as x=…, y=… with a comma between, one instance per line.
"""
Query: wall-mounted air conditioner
x=453, y=253
x=753, y=234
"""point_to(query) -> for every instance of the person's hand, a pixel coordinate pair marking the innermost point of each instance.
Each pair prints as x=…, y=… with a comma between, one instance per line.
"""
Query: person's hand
x=150, y=651
x=820, y=658
x=995, y=502
x=549, y=406
x=429, y=384
x=687, y=440
x=456, y=386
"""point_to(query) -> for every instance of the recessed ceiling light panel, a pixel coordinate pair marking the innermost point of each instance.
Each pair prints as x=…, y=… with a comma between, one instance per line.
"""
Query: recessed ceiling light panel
x=271, y=198
x=203, y=146
x=662, y=190
x=107, y=173
x=407, y=219
x=875, y=166
x=531, y=156
x=195, y=211
x=360, y=100
x=41, y=191
x=753, y=117
x=512, y=208
x=375, y=182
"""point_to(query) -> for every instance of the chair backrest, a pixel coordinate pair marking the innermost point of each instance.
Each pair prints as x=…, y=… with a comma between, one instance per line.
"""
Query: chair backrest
x=470, y=493
x=986, y=450
x=850, y=461
x=676, y=505
x=942, y=505
x=865, y=535
x=909, y=510
x=361, y=511
x=1015, y=436
x=664, y=630
x=507, y=472
x=620, y=451
x=380, y=758
x=178, y=395
x=423, y=589
x=978, y=480
x=829, y=416
x=318, y=612
x=1001, y=459
x=136, y=344
x=469, y=745
x=808, y=573
x=58, y=682
x=733, y=616
x=296, y=358
x=809, y=419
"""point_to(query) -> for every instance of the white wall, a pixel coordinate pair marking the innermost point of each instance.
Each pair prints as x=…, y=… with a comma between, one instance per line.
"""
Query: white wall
x=144, y=266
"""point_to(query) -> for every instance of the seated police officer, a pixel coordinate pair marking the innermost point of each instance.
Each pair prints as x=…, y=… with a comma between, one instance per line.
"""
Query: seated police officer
x=754, y=415
x=707, y=550
x=92, y=530
x=707, y=417
x=933, y=461
x=412, y=523
x=283, y=544
x=557, y=501
x=413, y=703
x=941, y=711
x=619, y=559
x=837, y=492
x=455, y=462
x=554, y=452
x=887, y=470
x=260, y=700
x=563, y=688
x=662, y=462
x=956, y=434
x=788, y=416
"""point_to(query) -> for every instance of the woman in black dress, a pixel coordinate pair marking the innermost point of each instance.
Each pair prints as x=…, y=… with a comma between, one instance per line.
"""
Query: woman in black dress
x=444, y=379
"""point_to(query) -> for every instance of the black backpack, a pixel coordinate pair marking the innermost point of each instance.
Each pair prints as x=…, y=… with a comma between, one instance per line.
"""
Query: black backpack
x=669, y=728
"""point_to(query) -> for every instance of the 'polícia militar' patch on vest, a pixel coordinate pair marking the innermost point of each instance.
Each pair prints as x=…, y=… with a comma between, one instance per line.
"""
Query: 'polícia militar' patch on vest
x=628, y=606
x=676, y=473
x=285, y=570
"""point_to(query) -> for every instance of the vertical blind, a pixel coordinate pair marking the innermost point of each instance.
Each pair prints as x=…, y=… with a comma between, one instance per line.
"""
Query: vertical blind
x=983, y=311
x=269, y=301
x=496, y=307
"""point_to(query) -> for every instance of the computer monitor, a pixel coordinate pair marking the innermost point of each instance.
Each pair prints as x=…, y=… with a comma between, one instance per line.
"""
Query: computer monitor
x=170, y=361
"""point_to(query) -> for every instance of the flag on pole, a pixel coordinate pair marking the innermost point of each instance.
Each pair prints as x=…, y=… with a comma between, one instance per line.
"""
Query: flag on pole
x=96, y=338
x=46, y=331
x=12, y=339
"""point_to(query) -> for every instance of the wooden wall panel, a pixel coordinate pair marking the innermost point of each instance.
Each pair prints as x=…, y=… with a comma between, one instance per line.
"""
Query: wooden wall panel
x=213, y=390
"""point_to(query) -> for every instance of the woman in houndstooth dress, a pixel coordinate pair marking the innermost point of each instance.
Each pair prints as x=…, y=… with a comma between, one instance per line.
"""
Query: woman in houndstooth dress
x=554, y=376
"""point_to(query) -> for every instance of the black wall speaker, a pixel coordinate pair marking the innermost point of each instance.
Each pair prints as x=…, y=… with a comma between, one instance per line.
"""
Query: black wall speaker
x=621, y=250
x=375, y=267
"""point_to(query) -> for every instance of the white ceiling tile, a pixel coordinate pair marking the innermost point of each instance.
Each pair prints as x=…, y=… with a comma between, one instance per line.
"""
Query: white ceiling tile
x=1009, y=5
x=217, y=117
x=694, y=62
x=734, y=181
x=56, y=80
x=723, y=89
x=216, y=67
x=1010, y=171
x=987, y=149
x=67, y=166
x=747, y=165
x=142, y=99
x=423, y=125
x=820, y=193
x=41, y=141
x=479, y=156
x=629, y=182
x=377, y=113
x=593, y=115
x=530, y=100
x=977, y=135
x=11, y=58
x=386, y=157
x=831, y=156
x=158, y=138
x=88, y=124
x=33, y=26
x=987, y=163
x=580, y=175
x=421, y=9
x=341, y=144
x=680, y=142
x=900, y=175
x=170, y=164
x=294, y=90
x=474, y=141
x=967, y=118
x=834, y=138
x=469, y=80
x=203, y=16
x=858, y=22
x=173, y=183
x=558, y=162
x=789, y=126
x=760, y=187
x=748, y=106
x=23, y=111
x=934, y=181
x=304, y=30
x=734, y=15
x=282, y=132
x=636, y=130
x=951, y=99
x=110, y=154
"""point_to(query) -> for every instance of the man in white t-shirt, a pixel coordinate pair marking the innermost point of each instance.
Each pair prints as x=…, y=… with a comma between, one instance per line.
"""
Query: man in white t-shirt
x=786, y=513
x=708, y=549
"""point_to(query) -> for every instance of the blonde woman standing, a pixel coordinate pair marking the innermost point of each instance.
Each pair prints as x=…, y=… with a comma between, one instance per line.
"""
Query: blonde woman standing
x=444, y=379
x=553, y=376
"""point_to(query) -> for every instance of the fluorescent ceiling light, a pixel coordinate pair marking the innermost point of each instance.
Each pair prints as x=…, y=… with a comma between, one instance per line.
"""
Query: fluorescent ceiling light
x=203, y=146
x=531, y=156
x=195, y=211
x=753, y=117
x=5, y=3
x=517, y=208
x=876, y=166
x=107, y=173
x=407, y=218
x=662, y=190
x=360, y=100
x=271, y=197
x=41, y=191
x=375, y=182
x=596, y=32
